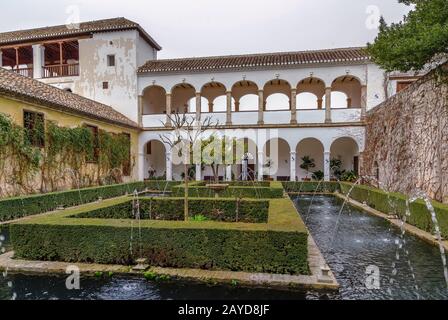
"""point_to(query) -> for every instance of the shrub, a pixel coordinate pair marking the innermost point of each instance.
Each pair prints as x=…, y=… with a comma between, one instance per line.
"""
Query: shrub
x=275, y=190
x=14, y=208
x=396, y=203
x=171, y=209
x=277, y=247
x=313, y=186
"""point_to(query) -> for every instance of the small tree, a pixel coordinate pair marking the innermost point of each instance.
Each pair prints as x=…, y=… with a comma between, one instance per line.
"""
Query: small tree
x=307, y=164
x=186, y=130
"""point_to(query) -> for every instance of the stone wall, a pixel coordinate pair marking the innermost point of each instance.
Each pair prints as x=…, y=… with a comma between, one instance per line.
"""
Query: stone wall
x=407, y=139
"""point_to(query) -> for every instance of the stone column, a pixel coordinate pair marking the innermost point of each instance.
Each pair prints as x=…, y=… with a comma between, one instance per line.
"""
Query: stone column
x=363, y=102
x=260, y=107
x=237, y=105
x=210, y=107
x=361, y=172
x=229, y=108
x=349, y=102
x=327, y=171
x=169, y=166
x=229, y=173
x=168, y=110
x=327, y=105
x=319, y=103
x=1, y=58
x=293, y=166
x=140, y=110
x=198, y=106
x=198, y=172
x=260, y=164
x=38, y=60
x=293, y=106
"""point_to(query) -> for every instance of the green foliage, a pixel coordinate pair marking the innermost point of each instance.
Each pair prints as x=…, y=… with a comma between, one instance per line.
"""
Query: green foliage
x=230, y=192
x=349, y=176
x=335, y=167
x=395, y=203
x=318, y=175
x=420, y=38
x=279, y=247
x=61, y=150
x=13, y=208
x=307, y=164
x=17, y=154
x=170, y=209
x=199, y=218
x=329, y=187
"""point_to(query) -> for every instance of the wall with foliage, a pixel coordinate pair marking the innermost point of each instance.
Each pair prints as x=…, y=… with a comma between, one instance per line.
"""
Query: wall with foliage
x=407, y=139
x=62, y=163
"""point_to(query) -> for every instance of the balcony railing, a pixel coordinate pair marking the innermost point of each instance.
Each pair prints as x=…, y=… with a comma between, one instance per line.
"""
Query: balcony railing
x=26, y=72
x=61, y=70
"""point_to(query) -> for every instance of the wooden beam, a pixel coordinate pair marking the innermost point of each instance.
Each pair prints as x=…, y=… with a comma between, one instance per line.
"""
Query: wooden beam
x=45, y=42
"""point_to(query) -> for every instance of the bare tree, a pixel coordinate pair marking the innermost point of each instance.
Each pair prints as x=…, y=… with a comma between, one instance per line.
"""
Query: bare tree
x=187, y=130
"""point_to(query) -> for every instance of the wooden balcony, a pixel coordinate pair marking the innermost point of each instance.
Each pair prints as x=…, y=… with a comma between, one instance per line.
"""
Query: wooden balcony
x=62, y=70
x=26, y=72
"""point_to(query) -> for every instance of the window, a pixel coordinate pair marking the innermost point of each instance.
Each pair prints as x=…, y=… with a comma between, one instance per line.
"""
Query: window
x=401, y=85
x=127, y=163
x=34, y=125
x=105, y=85
x=93, y=155
x=111, y=60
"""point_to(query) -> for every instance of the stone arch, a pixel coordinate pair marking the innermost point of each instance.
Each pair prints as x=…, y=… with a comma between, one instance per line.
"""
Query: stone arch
x=277, y=95
x=346, y=150
x=154, y=100
x=314, y=149
x=155, y=159
x=245, y=93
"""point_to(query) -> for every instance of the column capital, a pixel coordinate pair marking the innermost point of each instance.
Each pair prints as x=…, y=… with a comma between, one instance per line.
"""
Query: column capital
x=198, y=94
x=293, y=90
x=293, y=152
x=260, y=90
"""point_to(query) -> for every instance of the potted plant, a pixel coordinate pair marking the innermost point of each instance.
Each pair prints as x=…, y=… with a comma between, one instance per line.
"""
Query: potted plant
x=335, y=167
x=307, y=164
x=318, y=175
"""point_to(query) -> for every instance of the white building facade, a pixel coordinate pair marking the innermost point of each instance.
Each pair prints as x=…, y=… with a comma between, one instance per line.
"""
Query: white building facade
x=284, y=106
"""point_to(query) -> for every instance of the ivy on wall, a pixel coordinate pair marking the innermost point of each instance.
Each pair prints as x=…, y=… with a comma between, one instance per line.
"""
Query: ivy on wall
x=61, y=159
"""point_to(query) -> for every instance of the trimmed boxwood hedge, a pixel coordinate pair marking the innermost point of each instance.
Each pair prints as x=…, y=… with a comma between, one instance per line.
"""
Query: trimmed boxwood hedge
x=250, y=211
x=275, y=190
x=14, y=208
x=396, y=203
x=280, y=246
x=311, y=186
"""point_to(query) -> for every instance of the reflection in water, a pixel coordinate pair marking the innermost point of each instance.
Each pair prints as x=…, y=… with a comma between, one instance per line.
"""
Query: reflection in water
x=362, y=240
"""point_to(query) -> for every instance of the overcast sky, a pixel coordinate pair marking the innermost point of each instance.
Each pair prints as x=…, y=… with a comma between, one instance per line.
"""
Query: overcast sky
x=206, y=27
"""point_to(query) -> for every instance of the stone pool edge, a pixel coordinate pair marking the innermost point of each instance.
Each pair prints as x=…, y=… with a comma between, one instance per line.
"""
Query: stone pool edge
x=423, y=235
x=315, y=281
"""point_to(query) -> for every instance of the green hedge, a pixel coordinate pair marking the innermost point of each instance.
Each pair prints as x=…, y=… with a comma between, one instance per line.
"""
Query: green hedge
x=396, y=203
x=313, y=186
x=249, y=211
x=275, y=190
x=14, y=208
x=280, y=246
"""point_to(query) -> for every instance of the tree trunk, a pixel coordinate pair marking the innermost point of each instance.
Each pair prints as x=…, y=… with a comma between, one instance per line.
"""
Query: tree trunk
x=186, y=192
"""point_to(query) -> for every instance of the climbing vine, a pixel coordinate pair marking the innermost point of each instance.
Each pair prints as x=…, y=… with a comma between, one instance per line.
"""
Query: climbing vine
x=62, y=158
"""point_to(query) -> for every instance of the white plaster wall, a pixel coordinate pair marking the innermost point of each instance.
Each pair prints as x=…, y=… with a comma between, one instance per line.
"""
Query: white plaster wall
x=145, y=51
x=375, y=88
x=345, y=149
x=314, y=149
x=292, y=136
x=122, y=93
x=260, y=77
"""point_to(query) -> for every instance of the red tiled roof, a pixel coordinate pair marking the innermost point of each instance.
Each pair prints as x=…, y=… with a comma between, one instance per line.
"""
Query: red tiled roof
x=30, y=90
x=85, y=28
x=280, y=59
